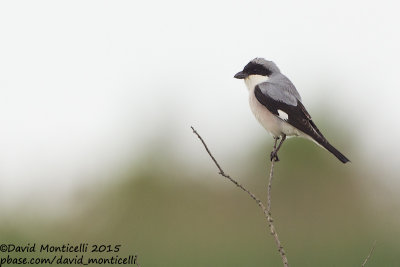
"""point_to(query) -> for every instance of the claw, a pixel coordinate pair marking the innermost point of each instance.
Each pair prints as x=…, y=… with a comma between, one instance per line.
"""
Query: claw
x=274, y=156
x=274, y=153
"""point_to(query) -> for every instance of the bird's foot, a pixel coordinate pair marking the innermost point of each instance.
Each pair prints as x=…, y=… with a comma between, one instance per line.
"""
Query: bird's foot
x=274, y=156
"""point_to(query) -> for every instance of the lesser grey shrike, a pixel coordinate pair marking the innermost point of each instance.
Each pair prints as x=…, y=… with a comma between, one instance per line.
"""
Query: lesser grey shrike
x=277, y=105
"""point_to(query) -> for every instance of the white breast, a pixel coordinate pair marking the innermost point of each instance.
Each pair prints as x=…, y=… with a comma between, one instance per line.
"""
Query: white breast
x=268, y=120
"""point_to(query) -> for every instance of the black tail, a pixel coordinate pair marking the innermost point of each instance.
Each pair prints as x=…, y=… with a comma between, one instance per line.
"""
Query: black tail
x=334, y=151
x=320, y=139
x=315, y=134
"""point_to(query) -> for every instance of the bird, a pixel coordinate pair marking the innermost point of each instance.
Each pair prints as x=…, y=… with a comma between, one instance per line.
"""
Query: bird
x=278, y=107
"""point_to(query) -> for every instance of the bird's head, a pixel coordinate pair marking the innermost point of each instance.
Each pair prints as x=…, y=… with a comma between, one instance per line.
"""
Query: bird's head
x=258, y=66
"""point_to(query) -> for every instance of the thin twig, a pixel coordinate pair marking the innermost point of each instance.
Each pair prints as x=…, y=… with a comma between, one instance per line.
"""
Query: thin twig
x=221, y=171
x=267, y=212
x=369, y=255
x=271, y=226
x=271, y=174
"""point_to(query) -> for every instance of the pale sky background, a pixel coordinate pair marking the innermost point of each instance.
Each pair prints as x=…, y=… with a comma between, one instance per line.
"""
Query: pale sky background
x=87, y=86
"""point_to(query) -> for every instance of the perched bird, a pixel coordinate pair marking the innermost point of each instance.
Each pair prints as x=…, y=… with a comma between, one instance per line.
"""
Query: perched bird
x=277, y=105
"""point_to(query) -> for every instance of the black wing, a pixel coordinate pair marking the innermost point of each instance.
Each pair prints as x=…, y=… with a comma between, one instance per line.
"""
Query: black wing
x=298, y=117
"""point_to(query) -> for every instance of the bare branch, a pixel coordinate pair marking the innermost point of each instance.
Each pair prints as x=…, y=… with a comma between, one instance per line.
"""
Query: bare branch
x=270, y=220
x=369, y=255
x=267, y=212
x=271, y=174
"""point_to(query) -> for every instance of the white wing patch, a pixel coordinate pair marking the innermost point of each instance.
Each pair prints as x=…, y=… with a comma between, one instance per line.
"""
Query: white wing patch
x=283, y=115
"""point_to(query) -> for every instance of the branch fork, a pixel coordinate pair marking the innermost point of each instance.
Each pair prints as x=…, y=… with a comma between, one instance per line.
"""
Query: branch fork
x=267, y=211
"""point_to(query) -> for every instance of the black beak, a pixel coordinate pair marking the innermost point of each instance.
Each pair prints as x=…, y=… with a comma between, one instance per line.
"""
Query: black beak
x=240, y=75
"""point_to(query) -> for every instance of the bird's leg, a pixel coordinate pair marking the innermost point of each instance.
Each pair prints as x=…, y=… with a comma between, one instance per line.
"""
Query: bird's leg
x=280, y=144
x=274, y=153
